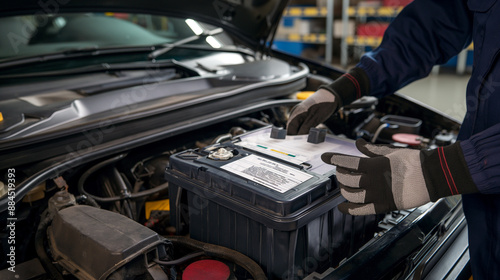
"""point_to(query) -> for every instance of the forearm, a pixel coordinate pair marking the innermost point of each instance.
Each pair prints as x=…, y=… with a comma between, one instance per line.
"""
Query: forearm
x=350, y=86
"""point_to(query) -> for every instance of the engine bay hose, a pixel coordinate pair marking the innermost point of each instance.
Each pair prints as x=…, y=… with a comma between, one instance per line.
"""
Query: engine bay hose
x=217, y=251
x=180, y=260
x=90, y=171
x=40, y=236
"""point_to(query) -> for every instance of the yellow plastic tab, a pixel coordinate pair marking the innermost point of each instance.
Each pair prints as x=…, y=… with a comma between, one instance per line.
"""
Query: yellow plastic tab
x=1, y=117
x=159, y=205
x=304, y=94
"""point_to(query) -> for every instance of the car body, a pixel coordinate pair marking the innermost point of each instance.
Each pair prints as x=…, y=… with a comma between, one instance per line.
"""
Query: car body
x=97, y=97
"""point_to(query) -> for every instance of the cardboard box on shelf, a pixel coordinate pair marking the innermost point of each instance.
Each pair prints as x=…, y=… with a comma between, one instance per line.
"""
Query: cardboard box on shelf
x=338, y=28
x=300, y=26
x=293, y=26
x=370, y=3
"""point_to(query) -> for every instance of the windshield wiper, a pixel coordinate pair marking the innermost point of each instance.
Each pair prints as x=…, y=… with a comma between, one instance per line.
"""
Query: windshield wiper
x=167, y=47
x=102, y=67
x=72, y=53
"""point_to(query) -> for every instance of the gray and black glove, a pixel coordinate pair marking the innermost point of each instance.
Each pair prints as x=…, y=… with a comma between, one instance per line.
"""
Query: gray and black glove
x=393, y=178
x=327, y=100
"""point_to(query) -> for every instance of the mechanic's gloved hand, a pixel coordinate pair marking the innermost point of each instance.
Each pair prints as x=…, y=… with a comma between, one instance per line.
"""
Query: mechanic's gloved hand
x=393, y=178
x=327, y=100
x=316, y=109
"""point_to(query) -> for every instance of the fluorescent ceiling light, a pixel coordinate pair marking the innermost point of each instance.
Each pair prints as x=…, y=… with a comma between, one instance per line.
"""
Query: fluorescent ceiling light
x=195, y=26
x=213, y=42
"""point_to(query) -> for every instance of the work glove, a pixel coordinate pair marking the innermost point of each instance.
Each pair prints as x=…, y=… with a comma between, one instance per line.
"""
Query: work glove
x=327, y=100
x=392, y=178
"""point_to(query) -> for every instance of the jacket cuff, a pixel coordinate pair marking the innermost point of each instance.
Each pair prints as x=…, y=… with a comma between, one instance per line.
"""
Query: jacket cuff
x=479, y=164
x=350, y=86
x=446, y=172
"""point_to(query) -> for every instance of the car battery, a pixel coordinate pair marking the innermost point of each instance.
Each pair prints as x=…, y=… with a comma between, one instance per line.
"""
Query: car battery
x=273, y=200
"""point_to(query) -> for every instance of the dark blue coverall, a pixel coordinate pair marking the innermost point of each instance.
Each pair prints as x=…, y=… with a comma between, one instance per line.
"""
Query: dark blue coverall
x=429, y=32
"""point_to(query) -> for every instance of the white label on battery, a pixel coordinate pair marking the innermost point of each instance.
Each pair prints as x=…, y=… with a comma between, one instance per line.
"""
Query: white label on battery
x=271, y=174
x=296, y=150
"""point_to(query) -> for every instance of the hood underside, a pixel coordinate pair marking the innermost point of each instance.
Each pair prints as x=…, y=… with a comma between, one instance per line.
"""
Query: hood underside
x=252, y=20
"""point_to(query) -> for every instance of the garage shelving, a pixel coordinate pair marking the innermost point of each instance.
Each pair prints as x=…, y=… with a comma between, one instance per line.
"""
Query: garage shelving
x=373, y=11
x=381, y=14
x=350, y=40
x=322, y=14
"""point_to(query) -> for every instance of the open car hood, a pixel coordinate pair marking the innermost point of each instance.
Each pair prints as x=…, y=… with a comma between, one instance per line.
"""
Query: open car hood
x=253, y=21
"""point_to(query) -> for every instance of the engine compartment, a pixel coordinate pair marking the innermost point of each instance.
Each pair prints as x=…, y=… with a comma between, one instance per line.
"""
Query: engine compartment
x=127, y=194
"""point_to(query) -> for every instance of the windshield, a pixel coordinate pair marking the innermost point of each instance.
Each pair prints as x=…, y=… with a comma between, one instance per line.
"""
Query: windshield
x=34, y=35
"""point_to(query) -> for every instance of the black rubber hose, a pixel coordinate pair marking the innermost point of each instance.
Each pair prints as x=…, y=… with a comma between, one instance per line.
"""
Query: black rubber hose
x=217, y=251
x=180, y=260
x=102, y=164
x=93, y=169
x=41, y=234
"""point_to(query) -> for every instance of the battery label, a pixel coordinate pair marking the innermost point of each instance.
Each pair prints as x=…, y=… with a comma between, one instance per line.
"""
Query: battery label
x=271, y=174
x=296, y=150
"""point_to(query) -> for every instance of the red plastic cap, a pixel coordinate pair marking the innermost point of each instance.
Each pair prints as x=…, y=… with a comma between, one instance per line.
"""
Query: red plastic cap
x=206, y=269
x=405, y=138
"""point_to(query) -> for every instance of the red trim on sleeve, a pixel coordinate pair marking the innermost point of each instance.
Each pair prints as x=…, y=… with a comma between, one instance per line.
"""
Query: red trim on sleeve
x=446, y=171
x=356, y=84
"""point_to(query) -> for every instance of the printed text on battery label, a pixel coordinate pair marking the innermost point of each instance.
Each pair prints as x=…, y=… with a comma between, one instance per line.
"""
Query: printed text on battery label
x=266, y=172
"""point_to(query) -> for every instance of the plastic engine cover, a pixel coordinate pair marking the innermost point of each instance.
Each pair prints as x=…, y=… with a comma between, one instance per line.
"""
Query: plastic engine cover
x=92, y=243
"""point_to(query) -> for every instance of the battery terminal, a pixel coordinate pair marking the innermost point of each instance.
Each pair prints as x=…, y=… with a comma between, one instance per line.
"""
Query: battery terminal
x=221, y=154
